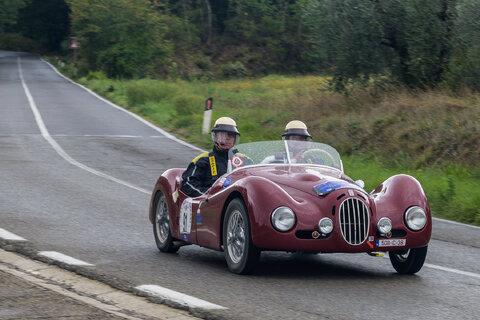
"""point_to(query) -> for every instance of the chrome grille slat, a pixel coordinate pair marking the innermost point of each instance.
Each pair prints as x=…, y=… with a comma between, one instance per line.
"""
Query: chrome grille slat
x=354, y=221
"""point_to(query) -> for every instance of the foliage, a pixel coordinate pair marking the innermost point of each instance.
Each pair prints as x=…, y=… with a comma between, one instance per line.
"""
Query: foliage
x=358, y=39
x=47, y=22
x=234, y=70
x=464, y=66
x=416, y=44
x=9, y=13
x=123, y=38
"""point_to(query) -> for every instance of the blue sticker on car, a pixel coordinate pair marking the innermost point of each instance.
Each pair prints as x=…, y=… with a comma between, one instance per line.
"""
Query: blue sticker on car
x=329, y=186
x=227, y=182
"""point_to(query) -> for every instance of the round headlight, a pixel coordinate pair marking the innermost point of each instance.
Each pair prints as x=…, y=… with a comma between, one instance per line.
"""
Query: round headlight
x=416, y=218
x=283, y=219
x=384, y=225
x=325, y=225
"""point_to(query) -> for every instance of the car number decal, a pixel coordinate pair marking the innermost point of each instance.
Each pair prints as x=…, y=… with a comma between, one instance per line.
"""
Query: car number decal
x=391, y=242
x=186, y=219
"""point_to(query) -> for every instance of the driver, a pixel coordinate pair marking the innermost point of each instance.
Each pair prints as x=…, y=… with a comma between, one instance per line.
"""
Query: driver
x=205, y=169
x=296, y=133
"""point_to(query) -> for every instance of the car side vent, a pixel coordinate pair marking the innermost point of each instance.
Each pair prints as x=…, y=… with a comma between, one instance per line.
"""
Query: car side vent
x=340, y=196
x=354, y=221
x=333, y=210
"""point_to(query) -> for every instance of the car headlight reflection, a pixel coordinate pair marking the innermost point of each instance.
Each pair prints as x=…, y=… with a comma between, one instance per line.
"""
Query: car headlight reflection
x=325, y=225
x=416, y=218
x=384, y=225
x=283, y=219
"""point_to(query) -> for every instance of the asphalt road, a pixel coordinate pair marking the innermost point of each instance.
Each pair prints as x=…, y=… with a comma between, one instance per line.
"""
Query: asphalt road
x=79, y=184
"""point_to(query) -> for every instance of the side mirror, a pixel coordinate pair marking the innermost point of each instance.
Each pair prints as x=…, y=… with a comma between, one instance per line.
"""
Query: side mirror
x=360, y=183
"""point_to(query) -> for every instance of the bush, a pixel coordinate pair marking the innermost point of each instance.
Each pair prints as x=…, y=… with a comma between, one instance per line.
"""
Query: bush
x=234, y=70
x=143, y=91
x=17, y=42
x=96, y=75
x=188, y=104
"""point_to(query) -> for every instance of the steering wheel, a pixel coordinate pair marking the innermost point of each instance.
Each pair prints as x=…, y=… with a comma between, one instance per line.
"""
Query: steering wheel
x=318, y=156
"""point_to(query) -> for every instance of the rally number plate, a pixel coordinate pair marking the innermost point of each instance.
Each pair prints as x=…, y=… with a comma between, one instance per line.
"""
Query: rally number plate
x=391, y=243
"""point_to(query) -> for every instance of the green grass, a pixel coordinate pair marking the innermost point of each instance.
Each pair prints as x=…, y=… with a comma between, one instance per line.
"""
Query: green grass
x=429, y=135
x=453, y=193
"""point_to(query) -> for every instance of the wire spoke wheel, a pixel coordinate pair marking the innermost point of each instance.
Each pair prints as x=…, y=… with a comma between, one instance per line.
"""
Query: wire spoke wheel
x=162, y=220
x=161, y=225
x=240, y=253
x=236, y=236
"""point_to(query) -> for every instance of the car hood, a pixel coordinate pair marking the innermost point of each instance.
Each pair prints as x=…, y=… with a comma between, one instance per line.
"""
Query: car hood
x=309, y=179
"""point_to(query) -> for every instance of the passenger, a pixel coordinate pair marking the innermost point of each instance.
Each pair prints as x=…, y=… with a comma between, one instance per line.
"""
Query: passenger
x=296, y=133
x=206, y=168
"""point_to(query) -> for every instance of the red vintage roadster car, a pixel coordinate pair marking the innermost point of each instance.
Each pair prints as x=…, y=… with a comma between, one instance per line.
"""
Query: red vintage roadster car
x=279, y=197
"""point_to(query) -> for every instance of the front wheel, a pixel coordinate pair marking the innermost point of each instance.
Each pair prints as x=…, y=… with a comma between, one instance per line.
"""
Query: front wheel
x=408, y=261
x=161, y=225
x=240, y=253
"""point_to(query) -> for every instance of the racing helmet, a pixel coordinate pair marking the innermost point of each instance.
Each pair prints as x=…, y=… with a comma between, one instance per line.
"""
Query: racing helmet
x=296, y=128
x=225, y=126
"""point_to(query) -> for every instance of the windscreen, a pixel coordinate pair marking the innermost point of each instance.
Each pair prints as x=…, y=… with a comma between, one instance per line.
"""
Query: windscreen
x=284, y=152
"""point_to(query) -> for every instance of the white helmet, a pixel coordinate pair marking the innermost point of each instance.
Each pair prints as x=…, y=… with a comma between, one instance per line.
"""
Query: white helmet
x=227, y=125
x=296, y=128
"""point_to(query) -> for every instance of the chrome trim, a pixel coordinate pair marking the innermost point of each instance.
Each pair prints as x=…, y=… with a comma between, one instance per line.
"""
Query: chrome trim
x=354, y=221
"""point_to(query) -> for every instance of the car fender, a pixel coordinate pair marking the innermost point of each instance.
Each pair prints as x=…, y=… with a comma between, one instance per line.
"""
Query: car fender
x=168, y=183
x=261, y=197
x=395, y=195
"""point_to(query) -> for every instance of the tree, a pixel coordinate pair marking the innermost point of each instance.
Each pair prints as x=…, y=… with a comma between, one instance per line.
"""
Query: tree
x=8, y=14
x=121, y=37
x=46, y=22
x=464, y=66
x=357, y=39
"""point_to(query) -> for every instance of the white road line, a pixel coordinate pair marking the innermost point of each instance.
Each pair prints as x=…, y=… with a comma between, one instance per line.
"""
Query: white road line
x=451, y=270
x=64, y=258
x=104, y=136
x=456, y=223
x=463, y=273
x=7, y=235
x=163, y=132
x=57, y=147
x=177, y=297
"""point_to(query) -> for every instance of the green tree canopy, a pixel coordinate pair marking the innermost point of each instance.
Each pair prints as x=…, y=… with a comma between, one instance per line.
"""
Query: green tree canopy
x=407, y=39
x=8, y=14
x=124, y=38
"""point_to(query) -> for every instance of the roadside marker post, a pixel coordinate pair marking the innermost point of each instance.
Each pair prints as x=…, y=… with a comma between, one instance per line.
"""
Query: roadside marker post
x=74, y=45
x=207, y=115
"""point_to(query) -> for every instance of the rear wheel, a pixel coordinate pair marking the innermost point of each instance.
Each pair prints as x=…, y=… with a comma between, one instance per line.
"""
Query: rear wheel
x=161, y=225
x=408, y=261
x=240, y=253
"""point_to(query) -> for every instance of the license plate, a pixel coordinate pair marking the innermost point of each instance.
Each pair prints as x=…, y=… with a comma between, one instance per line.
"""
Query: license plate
x=391, y=242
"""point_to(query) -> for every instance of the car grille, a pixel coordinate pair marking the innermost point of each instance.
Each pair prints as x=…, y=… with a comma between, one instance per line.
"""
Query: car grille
x=354, y=221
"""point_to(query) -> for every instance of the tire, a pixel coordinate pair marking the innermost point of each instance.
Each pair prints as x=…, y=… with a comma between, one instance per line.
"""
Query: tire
x=240, y=253
x=408, y=261
x=161, y=225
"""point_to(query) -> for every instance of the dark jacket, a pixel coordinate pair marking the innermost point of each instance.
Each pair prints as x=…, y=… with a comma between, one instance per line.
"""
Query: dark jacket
x=203, y=171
